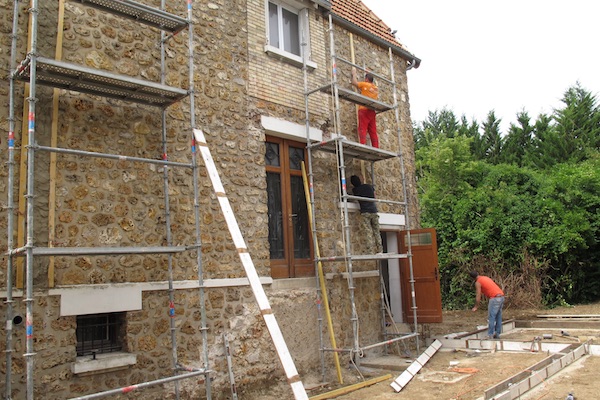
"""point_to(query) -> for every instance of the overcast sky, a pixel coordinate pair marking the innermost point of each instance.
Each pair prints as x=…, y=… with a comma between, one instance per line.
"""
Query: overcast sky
x=505, y=56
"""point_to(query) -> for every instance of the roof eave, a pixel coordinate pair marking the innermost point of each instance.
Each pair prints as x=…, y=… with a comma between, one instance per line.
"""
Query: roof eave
x=326, y=4
x=412, y=60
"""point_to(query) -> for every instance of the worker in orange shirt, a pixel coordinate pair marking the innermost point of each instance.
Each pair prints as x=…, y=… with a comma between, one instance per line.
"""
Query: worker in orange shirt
x=495, y=295
x=366, y=116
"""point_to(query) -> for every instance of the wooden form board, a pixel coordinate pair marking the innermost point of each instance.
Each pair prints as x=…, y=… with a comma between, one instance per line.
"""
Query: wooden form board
x=348, y=389
x=255, y=284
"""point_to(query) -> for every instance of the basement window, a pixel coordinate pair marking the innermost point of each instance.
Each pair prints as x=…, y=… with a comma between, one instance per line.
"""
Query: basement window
x=100, y=333
x=287, y=25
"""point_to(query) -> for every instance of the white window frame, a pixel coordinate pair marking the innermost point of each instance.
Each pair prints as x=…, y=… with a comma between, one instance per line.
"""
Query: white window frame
x=303, y=25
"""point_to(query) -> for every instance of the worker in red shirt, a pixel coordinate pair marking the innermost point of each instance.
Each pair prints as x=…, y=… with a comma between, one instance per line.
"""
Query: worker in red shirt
x=492, y=291
x=366, y=116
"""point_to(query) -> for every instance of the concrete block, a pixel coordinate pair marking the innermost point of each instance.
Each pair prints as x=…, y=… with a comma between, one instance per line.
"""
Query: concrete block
x=514, y=391
x=503, y=396
x=451, y=344
x=579, y=352
x=436, y=345
x=402, y=381
x=538, y=377
x=594, y=350
x=567, y=359
x=430, y=351
x=553, y=368
x=414, y=368
x=396, y=387
x=522, y=386
x=423, y=358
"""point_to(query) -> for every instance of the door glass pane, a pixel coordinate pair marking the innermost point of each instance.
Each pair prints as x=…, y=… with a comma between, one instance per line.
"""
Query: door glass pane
x=425, y=238
x=296, y=157
x=274, y=204
x=272, y=154
x=291, y=33
x=421, y=239
x=273, y=25
x=300, y=219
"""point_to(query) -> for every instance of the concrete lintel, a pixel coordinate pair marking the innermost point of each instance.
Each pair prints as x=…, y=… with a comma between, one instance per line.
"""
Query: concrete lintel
x=106, y=298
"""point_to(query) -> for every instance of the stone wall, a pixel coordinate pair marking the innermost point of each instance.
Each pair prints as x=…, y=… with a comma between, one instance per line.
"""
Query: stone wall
x=104, y=202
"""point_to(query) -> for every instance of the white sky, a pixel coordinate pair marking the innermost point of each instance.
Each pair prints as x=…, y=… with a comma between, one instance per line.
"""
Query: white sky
x=505, y=56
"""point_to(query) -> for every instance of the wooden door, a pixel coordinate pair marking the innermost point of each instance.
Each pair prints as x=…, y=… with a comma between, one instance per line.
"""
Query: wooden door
x=426, y=275
x=290, y=240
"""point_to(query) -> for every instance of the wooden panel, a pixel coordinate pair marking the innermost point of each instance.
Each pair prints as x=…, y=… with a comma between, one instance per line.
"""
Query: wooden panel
x=426, y=276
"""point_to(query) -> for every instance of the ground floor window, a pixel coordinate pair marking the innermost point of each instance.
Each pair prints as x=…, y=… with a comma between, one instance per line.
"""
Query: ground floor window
x=100, y=333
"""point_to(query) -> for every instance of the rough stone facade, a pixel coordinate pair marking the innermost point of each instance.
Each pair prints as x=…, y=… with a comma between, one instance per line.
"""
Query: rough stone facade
x=105, y=202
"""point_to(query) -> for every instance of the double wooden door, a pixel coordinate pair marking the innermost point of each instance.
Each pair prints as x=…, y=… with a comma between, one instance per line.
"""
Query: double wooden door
x=290, y=240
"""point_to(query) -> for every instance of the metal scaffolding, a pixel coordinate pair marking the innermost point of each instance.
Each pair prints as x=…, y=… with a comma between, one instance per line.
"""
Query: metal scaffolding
x=37, y=70
x=344, y=148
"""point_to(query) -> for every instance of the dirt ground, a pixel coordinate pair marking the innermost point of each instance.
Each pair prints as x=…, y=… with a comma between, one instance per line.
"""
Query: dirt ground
x=437, y=380
x=471, y=372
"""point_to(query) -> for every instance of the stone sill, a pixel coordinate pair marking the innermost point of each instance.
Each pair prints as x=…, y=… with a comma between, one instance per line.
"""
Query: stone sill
x=86, y=365
x=289, y=57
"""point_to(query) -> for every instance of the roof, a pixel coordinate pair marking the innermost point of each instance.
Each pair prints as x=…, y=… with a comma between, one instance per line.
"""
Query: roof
x=356, y=12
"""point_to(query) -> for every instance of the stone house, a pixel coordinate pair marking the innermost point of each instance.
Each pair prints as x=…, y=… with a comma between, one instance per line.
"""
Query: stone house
x=120, y=266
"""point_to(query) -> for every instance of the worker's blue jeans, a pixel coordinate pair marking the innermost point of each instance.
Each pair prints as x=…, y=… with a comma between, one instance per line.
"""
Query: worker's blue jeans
x=495, y=305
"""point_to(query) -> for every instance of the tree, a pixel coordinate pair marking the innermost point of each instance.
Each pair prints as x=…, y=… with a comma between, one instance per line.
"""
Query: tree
x=442, y=123
x=525, y=206
x=491, y=138
x=577, y=125
x=518, y=143
x=438, y=124
x=471, y=130
x=543, y=143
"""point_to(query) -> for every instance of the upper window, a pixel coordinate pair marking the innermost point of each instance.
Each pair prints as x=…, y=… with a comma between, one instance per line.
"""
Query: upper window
x=287, y=28
x=284, y=28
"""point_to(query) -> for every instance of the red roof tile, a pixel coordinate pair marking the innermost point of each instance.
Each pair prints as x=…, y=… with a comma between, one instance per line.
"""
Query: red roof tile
x=356, y=12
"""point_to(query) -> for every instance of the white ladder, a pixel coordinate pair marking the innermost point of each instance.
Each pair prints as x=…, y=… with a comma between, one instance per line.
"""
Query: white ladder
x=257, y=289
